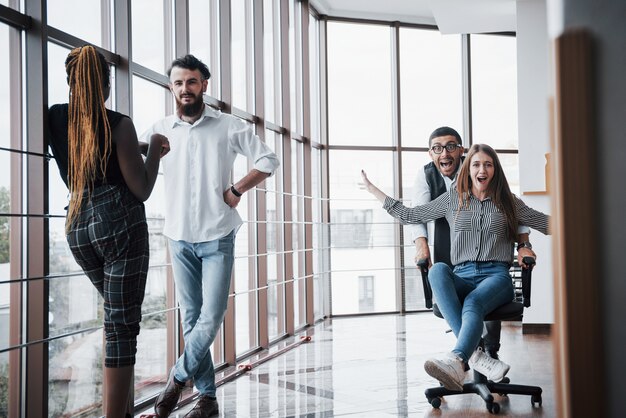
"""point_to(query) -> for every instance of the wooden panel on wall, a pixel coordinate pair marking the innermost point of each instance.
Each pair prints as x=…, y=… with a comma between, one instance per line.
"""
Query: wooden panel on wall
x=578, y=339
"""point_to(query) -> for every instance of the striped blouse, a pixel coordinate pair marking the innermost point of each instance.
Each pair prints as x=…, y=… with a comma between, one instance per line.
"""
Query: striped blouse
x=478, y=232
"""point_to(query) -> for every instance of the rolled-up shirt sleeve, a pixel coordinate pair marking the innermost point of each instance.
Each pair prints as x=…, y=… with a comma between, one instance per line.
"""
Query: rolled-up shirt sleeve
x=245, y=142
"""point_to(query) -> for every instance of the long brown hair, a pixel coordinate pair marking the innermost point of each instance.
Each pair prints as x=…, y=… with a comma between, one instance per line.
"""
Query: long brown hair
x=88, y=78
x=498, y=189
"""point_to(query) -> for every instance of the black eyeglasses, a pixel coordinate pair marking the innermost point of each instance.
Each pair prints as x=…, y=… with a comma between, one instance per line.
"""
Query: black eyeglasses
x=438, y=149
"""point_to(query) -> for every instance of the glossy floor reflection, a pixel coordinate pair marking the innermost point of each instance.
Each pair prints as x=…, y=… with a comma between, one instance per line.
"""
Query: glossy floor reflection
x=373, y=367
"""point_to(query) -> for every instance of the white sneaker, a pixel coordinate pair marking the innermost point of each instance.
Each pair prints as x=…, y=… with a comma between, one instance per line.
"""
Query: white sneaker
x=493, y=369
x=449, y=370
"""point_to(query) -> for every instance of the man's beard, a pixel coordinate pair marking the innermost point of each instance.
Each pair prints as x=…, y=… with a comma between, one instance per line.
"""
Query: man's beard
x=190, y=109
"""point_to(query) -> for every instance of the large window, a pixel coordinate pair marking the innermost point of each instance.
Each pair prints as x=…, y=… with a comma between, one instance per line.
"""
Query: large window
x=432, y=89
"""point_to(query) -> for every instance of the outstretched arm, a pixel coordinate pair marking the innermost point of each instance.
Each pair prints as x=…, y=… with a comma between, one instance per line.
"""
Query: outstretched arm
x=369, y=186
x=418, y=214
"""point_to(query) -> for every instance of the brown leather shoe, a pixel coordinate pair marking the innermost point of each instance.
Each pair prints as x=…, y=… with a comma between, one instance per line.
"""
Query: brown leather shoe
x=205, y=407
x=168, y=399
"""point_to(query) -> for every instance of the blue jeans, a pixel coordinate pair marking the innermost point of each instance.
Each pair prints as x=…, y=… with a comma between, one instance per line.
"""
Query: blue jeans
x=202, y=275
x=466, y=295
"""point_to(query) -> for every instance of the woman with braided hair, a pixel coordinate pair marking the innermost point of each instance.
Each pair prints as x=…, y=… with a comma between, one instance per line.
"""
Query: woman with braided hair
x=97, y=152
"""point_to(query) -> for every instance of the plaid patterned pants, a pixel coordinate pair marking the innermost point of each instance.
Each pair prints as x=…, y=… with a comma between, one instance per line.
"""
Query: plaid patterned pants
x=109, y=240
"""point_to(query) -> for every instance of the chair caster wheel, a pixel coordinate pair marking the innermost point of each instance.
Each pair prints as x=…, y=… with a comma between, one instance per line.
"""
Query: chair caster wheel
x=435, y=402
x=535, y=399
x=493, y=408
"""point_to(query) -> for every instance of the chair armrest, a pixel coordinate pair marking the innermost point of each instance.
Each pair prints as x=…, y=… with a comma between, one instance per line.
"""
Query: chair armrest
x=526, y=280
x=428, y=293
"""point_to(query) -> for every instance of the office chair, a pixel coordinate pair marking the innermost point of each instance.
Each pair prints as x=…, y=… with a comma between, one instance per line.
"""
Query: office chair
x=512, y=311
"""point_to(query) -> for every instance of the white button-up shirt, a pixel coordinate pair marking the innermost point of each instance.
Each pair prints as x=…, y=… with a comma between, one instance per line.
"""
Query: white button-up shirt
x=197, y=171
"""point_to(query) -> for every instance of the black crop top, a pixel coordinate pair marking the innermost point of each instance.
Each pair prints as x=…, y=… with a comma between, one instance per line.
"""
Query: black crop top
x=58, y=133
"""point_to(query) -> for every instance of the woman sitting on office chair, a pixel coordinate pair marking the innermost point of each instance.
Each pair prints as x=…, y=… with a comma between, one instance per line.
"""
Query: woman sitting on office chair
x=483, y=215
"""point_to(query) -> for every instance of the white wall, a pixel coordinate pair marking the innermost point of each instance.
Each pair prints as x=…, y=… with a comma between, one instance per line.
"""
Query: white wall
x=533, y=86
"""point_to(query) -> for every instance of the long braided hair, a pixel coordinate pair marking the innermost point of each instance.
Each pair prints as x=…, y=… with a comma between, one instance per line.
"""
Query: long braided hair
x=498, y=189
x=88, y=78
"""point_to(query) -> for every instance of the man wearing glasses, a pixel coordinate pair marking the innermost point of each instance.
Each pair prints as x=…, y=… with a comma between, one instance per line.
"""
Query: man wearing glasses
x=446, y=152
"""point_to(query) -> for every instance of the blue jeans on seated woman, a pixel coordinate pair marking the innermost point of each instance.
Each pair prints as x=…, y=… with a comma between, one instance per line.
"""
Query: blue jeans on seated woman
x=466, y=295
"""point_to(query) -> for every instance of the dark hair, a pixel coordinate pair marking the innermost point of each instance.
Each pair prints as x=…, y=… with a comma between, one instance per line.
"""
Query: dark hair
x=88, y=78
x=444, y=131
x=103, y=67
x=498, y=190
x=189, y=62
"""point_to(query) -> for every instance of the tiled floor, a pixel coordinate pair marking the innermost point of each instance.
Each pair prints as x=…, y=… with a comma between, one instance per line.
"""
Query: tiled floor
x=373, y=367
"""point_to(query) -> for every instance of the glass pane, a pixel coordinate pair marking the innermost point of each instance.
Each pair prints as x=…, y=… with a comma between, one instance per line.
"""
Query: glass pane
x=271, y=35
x=314, y=65
x=295, y=67
x=74, y=301
x=7, y=86
x=14, y=4
x=5, y=297
x=359, y=84
x=510, y=165
x=494, y=91
x=431, y=89
x=4, y=375
x=84, y=21
x=245, y=277
x=320, y=237
x=5, y=180
x=75, y=377
x=148, y=103
x=243, y=309
x=58, y=194
x=297, y=188
x=275, y=242
x=412, y=162
x=241, y=52
x=58, y=90
x=148, y=37
x=362, y=238
x=201, y=40
x=151, y=342
x=155, y=208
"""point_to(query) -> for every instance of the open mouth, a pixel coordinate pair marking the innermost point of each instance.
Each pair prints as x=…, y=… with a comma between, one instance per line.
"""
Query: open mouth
x=481, y=179
x=445, y=164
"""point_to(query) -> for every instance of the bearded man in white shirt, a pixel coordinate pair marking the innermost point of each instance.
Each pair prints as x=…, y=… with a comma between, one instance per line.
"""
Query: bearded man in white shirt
x=201, y=221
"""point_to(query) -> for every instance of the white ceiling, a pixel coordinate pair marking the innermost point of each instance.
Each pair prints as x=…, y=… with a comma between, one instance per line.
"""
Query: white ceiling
x=451, y=16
